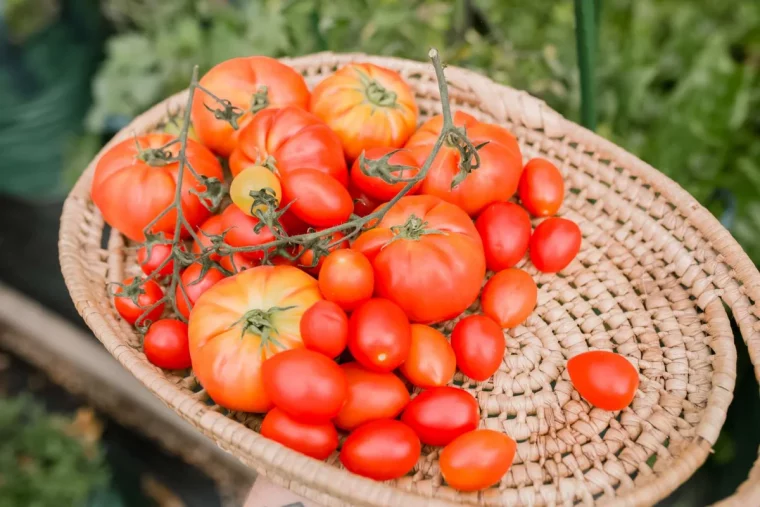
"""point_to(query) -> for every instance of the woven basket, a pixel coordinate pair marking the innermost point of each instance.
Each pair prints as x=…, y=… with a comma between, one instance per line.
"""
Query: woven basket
x=653, y=281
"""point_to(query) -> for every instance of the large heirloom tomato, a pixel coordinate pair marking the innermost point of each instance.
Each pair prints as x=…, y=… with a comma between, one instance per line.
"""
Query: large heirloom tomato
x=240, y=322
x=250, y=84
x=133, y=184
x=368, y=106
x=287, y=139
x=428, y=258
x=497, y=177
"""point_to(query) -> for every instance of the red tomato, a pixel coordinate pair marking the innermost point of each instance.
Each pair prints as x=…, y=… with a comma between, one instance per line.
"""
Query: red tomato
x=433, y=250
x=250, y=84
x=317, y=199
x=306, y=259
x=195, y=285
x=241, y=232
x=605, y=379
x=214, y=226
x=133, y=184
x=320, y=391
x=237, y=262
x=504, y=228
x=166, y=344
x=346, y=278
x=371, y=396
x=477, y=460
x=478, y=343
x=324, y=328
x=159, y=252
x=147, y=295
x=315, y=440
x=381, y=450
x=288, y=139
x=363, y=204
x=367, y=106
x=509, y=297
x=431, y=360
x=372, y=241
x=379, y=335
x=496, y=178
x=554, y=244
x=441, y=414
x=542, y=188
x=372, y=184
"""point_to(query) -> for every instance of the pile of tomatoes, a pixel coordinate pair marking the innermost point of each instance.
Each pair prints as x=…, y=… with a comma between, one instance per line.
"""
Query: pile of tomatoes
x=280, y=306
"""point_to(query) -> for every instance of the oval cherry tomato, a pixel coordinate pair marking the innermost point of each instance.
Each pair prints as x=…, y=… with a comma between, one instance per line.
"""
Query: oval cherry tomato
x=363, y=204
x=316, y=198
x=441, y=414
x=306, y=258
x=542, y=188
x=431, y=360
x=478, y=343
x=381, y=450
x=379, y=335
x=241, y=231
x=319, y=393
x=324, y=328
x=166, y=344
x=347, y=279
x=605, y=379
x=371, y=396
x=477, y=460
x=214, y=226
x=504, y=228
x=372, y=185
x=315, y=440
x=195, y=285
x=509, y=297
x=255, y=180
x=148, y=293
x=554, y=244
x=159, y=252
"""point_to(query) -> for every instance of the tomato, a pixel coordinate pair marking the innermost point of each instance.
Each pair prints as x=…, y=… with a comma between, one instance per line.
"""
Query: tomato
x=159, y=253
x=372, y=241
x=363, y=204
x=195, y=285
x=133, y=183
x=346, y=278
x=371, y=396
x=431, y=360
x=379, y=335
x=241, y=231
x=504, y=228
x=381, y=450
x=554, y=244
x=238, y=262
x=478, y=343
x=318, y=394
x=147, y=294
x=367, y=106
x=166, y=344
x=477, y=460
x=324, y=328
x=214, y=226
x=316, y=198
x=441, y=414
x=509, y=297
x=288, y=139
x=434, y=250
x=306, y=258
x=496, y=178
x=250, y=84
x=250, y=182
x=315, y=440
x=240, y=322
x=605, y=379
x=372, y=184
x=542, y=188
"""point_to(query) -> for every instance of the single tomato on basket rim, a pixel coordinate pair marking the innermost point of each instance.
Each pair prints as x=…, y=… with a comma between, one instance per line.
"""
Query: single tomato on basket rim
x=605, y=379
x=132, y=300
x=504, y=228
x=431, y=361
x=554, y=244
x=477, y=460
x=371, y=396
x=441, y=414
x=542, y=188
x=166, y=344
x=381, y=450
x=315, y=440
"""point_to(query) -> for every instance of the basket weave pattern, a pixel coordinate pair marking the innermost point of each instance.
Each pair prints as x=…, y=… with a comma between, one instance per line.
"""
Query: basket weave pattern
x=650, y=282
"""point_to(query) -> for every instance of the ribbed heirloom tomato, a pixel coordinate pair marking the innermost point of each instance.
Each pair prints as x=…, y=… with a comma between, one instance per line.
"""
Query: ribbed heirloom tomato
x=240, y=322
x=605, y=379
x=441, y=414
x=372, y=185
x=371, y=396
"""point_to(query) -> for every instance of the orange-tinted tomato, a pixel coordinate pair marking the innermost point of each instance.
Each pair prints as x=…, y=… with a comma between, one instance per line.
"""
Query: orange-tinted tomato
x=477, y=460
x=379, y=335
x=509, y=297
x=166, y=345
x=315, y=440
x=372, y=185
x=148, y=294
x=441, y=414
x=347, y=279
x=554, y=244
x=214, y=226
x=363, y=204
x=605, y=379
x=241, y=231
x=478, y=343
x=431, y=360
x=306, y=259
x=251, y=181
x=372, y=241
x=237, y=262
x=542, y=188
x=324, y=328
x=316, y=198
x=159, y=253
x=194, y=285
x=381, y=450
x=504, y=228
x=371, y=396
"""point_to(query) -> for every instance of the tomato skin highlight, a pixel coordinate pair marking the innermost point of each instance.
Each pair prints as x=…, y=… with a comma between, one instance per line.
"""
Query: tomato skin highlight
x=554, y=244
x=318, y=441
x=371, y=396
x=379, y=335
x=166, y=344
x=431, y=361
x=346, y=277
x=131, y=312
x=542, y=188
x=478, y=343
x=377, y=189
x=381, y=450
x=605, y=379
x=441, y=414
x=324, y=328
x=504, y=228
x=316, y=198
x=195, y=286
x=477, y=460
x=509, y=297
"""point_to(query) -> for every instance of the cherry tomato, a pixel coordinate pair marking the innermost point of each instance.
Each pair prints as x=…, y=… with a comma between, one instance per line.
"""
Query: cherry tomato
x=441, y=414
x=319, y=392
x=363, y=204
x=316, y=198
x=477, y=460
x=542, y=188
x=147, y=294
x=372, y=185
x=431, y=360
x=195, y=285
x=237, y=262
x=214, y=226
x=241, y=231
x=379, y=335
x=166, y=344
x=371, y=396
x=252, y=181
x=509, y=297
x=324, y=328
x=381, y=450
x=605, y=379
x=306, y=259
x=504, y=228
x=347, y=278
x=159, y=252
x=478, y=343
x=315, y=440
x=554, y=244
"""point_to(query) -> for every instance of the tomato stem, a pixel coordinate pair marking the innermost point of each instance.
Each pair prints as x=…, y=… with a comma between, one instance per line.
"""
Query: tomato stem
x=260, y=322
x=260, y=99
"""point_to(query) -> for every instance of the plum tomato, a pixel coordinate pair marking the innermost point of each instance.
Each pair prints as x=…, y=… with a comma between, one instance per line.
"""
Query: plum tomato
x=504, y=228
x=542, y=188
x=478, y=343
x=381, y=450
x=315, y=440
x=605, y=379
x=554, y=244
x=431, y=361
x=477, y=460
x=509, y=297
x=441, y=414
x=371, y=396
